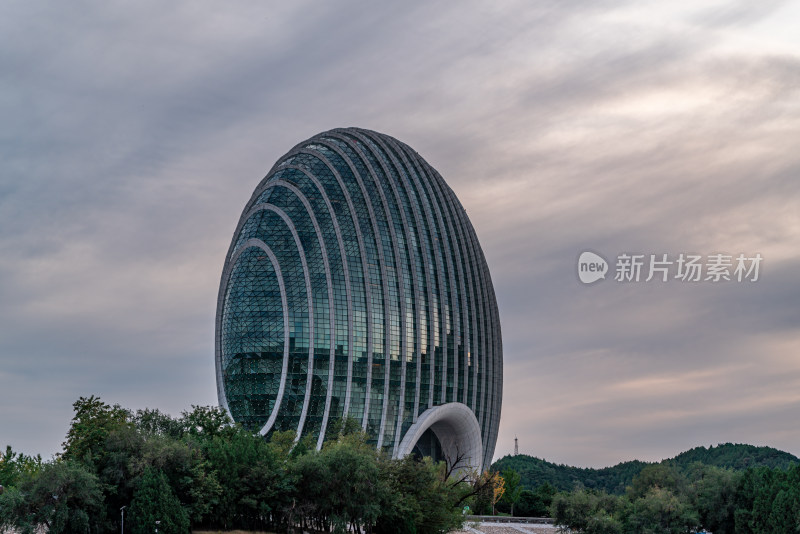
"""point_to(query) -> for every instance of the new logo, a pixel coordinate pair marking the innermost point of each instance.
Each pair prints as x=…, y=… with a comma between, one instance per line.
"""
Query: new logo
x=591, y=267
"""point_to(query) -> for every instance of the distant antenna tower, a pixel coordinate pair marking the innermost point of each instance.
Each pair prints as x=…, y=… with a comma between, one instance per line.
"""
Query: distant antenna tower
x=516, y=446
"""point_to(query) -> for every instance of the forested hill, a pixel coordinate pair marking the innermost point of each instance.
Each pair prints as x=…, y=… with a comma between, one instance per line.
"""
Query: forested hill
x=535, y=472
x=738, y=457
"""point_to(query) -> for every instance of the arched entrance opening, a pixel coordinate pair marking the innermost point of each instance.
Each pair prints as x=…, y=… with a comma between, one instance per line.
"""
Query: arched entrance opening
x=449, y=432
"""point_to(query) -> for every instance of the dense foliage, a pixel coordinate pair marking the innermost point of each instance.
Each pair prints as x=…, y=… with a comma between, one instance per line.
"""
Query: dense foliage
x=534, y=471
x=200, y=470
x=735, y=456
x=663, y=500
x=726, y=489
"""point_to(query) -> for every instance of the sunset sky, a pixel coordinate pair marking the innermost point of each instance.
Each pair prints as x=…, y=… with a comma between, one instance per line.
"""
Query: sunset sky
x=132, y=135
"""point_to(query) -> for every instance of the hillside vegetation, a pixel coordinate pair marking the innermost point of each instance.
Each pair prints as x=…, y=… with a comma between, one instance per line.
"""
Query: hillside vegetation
x=535, y=472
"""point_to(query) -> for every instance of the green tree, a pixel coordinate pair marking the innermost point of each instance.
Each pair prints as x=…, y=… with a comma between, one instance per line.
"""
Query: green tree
x=251, y=481
x=660, y=511
x=282, y=444
x=784, y=518
x=94, y=420
x=488, y=489
x=513, y=488
x=657, y=476
x=342, y=426
x=536, y=503
x=745, y=497
x=64, y=496
x=530, y=506
x=419, y=496
x=400, y=483
x=155, y=422
x=603, y=522
x=589, y=511
x=338, y=485
x=119, y=469
x=208, y=422
x=544, y=495
x=768, y=484
x=713, y=495
x=768, y=501
x=14, y=512
x=14, y=466
x=154, y=501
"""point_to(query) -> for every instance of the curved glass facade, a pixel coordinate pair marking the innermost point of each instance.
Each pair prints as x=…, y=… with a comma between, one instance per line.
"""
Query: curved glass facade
x=355, y=286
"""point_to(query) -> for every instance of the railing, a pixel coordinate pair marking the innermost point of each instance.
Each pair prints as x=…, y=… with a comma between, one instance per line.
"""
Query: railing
x=509, y=519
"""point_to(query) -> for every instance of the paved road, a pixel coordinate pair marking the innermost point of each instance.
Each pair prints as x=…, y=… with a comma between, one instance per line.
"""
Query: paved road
x=507, y=528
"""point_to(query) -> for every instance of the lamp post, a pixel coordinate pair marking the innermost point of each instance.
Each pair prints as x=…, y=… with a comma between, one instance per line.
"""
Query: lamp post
x=157, y=523
x=122, y=511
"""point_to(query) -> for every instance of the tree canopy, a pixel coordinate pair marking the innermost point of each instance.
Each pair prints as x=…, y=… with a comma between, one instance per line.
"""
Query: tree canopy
x=535, y=471
x=201, y=470
x=662, y=500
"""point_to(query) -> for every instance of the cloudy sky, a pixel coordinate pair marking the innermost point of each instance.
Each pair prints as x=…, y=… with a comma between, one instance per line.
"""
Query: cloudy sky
x=132, y=135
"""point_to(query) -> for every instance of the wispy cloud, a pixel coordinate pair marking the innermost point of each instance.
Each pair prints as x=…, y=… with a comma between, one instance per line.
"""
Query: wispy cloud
x=133, y=135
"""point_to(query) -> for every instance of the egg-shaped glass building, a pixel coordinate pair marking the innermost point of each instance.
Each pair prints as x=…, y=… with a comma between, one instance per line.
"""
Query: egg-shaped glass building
x=355, y=287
